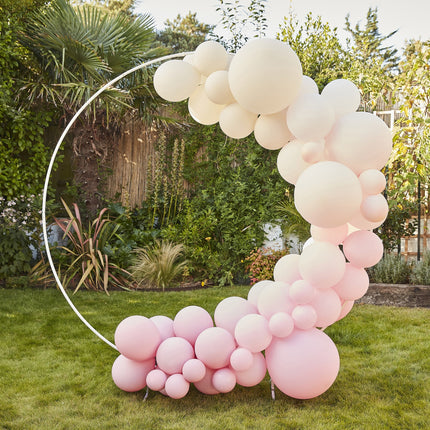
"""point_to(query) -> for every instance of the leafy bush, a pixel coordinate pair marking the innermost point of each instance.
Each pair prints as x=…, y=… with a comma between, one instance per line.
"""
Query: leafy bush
x=261, y=263
x=392, y=269
x=421, y=271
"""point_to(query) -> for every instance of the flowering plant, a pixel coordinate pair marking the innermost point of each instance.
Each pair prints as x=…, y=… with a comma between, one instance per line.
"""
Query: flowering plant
x=261, y=262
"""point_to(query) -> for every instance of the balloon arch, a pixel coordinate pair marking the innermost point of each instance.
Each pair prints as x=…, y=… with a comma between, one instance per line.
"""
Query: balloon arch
x=333, y=155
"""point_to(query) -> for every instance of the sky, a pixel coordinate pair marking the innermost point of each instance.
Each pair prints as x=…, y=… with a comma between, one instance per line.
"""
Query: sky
x=410, y=17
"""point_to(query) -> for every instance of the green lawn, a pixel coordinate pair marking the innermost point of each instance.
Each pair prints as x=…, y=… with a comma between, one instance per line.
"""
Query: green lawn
x=55, y=374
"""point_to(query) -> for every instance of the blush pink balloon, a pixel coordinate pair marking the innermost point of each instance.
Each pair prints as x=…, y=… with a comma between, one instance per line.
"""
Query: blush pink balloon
x=230, y=310
x=327, y=305
x=360, y=223
x=205, y=385
x=156, y=379
x=190, y=321
x=346, y=308
x=312, y=152
x=214, y=347
x=372, y=181
x=176, y=386
x=374, y=208
x=354, y=283
x=274, y=299
x=301, y=292
x=363, y=248
x=335, y=235
x=303, y=365
x=322, y=264
x=255, y=374
x=241, y=359
x=173, y=353
x=255, y=291
x=287, y=269
x=252, y=332
x=130, y=375
x=281, y=324
x=224, y=380
x=164, y=325
x=304, y=317
x=194, y=370
x=137, y=338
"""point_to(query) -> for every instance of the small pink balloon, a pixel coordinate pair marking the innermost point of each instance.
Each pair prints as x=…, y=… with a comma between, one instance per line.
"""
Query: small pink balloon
x=335, y=235
x=273, y=299
x=137, y=338
x=205, y=385
x=304, y=317
x=327, y=306
x=312, y=152
x=363, y=248
x=241, y=359
x=252, y=332
x=255, y=374
x=189, y=322
x=360, y=223
x=224, y=380
x=346, y=308
x=255, y=291
x=303, y=365
x=281, y=324
x=214, y=347
x=372, y=181
x=176, y=386
x=287, y=269
x=156, y=379
x=230, y=310
x=194, y=370
x=354, y=283
x=301, y=292
x=374, y=208
x=173, y=353
x=164, y=325
x=129, y=375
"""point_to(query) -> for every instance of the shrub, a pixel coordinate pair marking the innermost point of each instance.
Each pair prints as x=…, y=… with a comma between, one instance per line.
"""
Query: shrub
x=392, y=269
x=261, y=263
x=421, y=271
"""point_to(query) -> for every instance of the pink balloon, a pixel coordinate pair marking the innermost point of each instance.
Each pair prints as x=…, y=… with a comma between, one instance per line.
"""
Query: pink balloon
x=287, y=269
x=214, y=347
x=230, y=310
x=241, y=359
x=255, y=374
x=252, y=332
x=374, y=208
x=156, y=379
x=164, y=325
x=334, y=235
x=189, y=322
x=354, y=283
x=137, y=338
x=205, y=385
x=224, y=380
x=255, y=291
x=274, y=299
x=281, y=324
x=304, y=317
x=346, y=308
x=176, y=386
x=322, y=264
x=327, y=306
x=173, y=353
x=372, y=181
x=130, y=375
x=360, y=223
x=194, y=370
x=304, y=365
x=301, y=292
x=363, y=248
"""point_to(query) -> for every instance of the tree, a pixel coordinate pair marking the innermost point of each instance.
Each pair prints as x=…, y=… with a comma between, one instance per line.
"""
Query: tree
x=111, y=6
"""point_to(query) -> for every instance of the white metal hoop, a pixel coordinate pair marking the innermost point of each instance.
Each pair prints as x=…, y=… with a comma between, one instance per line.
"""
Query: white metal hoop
x=48, y=174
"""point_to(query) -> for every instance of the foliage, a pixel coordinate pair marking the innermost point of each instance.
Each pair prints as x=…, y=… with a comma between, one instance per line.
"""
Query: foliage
x=261, y=262
x=421, y=271
x=392, y=269
x=112, y=6
x=158, y=265
x=89, y=264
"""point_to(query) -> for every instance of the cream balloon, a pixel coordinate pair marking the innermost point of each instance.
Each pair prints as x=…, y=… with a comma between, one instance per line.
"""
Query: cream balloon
x=342, y=95
x=307, y=86
x=217, y=88
x=335, y=235
x=312, y=152
x=203, y=110
x=287, y=269
x=209, y=57
x=372, y=181
x=374, y=208
x=236, y=122
x=271, y=131
x=265, y=76
x=176, y=80
x=290, y=162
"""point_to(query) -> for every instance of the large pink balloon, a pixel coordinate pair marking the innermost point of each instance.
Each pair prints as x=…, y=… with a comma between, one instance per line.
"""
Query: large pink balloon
x=287, y=269
x=190, y=321
x=327, y=194
x=274, y=299
x=255, y=374
x=322, y=264
x=130, y=375
x=363, y=248
x=303, y=365
x=214, y=347
x=230, y=310
x=252, y=332
x=137, y=338
x=173, y=353
x=328, y=306
x=176, y=386
x=354, y=283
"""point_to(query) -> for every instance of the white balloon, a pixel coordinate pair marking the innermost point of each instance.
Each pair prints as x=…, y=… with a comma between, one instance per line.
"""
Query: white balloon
x=236, y=122
x=176, y=80
x=310, y=117
x=202, y=109
x=343, y=96
x=271, y=131
x=372, y=181
x=290, y=162
x=327, y=194
x=265, y=76
x=217, y=88
x=209, y=57
x=307, y=86
x=361, y=141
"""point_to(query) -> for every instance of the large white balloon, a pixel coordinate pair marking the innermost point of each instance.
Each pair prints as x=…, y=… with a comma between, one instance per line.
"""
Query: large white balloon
x=265, y=76
x=203, y=110
x=176, y=80
x=209, y=57
x=217, y=88
x=271, y=131
x=361, y=141
x=342, y=95
x=290, y=162
x=327, y=194
x=236, y=122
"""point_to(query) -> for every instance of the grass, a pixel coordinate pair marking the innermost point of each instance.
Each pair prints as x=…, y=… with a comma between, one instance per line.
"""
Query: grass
x=55, y=374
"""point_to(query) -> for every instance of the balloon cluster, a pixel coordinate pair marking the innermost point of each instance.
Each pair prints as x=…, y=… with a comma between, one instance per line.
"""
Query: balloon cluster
x=333, y=156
